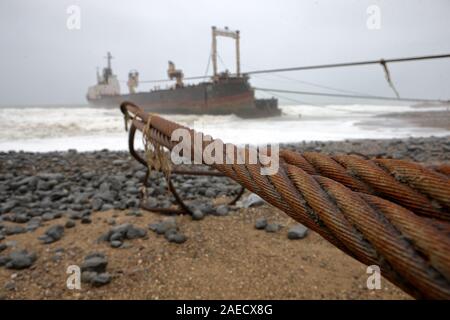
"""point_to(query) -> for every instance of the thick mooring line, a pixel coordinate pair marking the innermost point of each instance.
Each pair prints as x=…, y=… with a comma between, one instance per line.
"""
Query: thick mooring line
x=390, y=213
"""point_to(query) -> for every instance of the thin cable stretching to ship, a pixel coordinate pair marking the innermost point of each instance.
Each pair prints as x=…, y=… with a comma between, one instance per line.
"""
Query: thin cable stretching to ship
x=222, y=94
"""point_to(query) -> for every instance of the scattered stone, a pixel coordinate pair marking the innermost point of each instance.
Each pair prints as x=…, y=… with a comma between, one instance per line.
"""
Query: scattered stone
x=121, y=232
x=22, y=259
x=3, y=260
x=261, y=223
x=272, y=227
x=86, y=220
x=33, y=224
x=135, y=233
x=101, y=279
x=7, y=206
x=10, y=285
x=175, y=236
x=222, y=210
x=210, y=193
x=298, y=231
x=164, y=225
x=94, y=270
x=197, y=215
x=48, y=216
x=116, y=244
x=21, y=218
x=87, y=276
x=106, y=207
x=53, y=234
x=70, y=224
x=95, y=263
x=97, y=204
x=11, y=230
x=3, y=246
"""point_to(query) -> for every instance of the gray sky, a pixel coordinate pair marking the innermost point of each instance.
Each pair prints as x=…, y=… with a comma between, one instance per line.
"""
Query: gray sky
x=43, y=62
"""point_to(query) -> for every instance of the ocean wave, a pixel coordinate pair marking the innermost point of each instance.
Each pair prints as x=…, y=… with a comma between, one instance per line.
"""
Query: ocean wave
x=85, y=128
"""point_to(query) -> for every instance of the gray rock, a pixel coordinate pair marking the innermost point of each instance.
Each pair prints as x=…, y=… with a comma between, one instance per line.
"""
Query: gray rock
x=197, y=215
x=122, y=229
x=95, y=255
x=261, y=223
x=111, y=221
x=101, y=279
x=119, y=162
x=10, y=286
x=105, y=187
x=97, y=204
x=21, y=218
x=222, y=210
x=48, y=216
x=272, y=227
x=132, y=190
x=44, y=185
x=116, y=244
x=58, y=195
x=105, y=237
x=106, y=207
x=86, y=220
x=88, y=175
x=298, y=231
x=75, y=215
x=11, y=230
x=164, y=225
x=7, y=206
x=135, y=232
x=87, y=276
x=33, y=225
x=54, y=233
x=107, y=196
x=210, y=193
x=46, y=239
x=117, y=236
x=95, y=263
x=70, y=224
x=3, y=260
x=3, y=247
x=173, y=235
x=20, y=260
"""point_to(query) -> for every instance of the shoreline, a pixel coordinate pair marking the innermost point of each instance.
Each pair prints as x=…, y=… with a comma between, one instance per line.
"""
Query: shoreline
x=423, y=119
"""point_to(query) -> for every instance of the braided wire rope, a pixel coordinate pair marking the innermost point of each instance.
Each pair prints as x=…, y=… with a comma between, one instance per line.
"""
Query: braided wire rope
x=391, y=213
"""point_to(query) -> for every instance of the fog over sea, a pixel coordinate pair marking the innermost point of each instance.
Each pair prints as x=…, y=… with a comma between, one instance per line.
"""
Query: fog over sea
x=59, y=128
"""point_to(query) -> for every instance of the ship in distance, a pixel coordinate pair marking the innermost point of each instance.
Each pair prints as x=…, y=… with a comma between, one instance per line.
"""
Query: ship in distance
x=222, y=94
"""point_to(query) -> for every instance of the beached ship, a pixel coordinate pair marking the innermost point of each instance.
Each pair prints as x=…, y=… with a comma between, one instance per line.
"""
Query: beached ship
x=222, y=94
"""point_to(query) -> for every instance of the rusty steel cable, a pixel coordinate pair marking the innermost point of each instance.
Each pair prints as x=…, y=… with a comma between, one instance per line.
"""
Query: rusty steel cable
x=390, y=213
x=183, y=207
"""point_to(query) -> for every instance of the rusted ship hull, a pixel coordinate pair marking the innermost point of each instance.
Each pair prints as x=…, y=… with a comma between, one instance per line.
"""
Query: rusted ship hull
x=232, y=96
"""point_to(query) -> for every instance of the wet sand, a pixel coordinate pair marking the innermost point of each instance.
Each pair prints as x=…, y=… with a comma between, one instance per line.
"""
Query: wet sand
x=428, y=119
x=223, y=258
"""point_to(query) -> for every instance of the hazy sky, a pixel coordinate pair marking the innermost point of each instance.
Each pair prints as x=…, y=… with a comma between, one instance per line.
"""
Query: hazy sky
x=43, y=62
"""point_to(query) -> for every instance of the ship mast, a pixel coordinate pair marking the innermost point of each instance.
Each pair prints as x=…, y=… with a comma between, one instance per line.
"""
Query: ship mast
x=107, y=72
x=230, y=34
x=109, y=57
